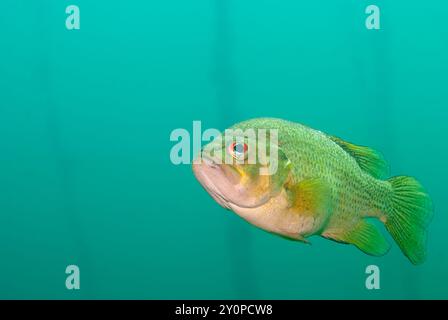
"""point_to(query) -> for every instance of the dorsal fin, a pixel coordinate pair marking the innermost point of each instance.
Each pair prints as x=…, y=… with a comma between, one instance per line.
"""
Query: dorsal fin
x=368, y=159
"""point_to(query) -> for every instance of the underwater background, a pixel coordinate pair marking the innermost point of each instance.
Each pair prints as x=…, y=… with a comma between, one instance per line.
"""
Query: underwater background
x=86, y=116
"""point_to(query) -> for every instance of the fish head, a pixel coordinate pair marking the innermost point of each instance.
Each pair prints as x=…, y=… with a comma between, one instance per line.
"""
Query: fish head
x=242, y=169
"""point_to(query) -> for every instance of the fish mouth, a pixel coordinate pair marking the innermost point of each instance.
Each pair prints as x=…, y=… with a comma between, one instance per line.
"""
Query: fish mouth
x=202, y=170
x=222, y=182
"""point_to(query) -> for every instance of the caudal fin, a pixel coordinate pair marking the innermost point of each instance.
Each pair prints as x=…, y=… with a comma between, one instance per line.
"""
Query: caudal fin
x=409, y=216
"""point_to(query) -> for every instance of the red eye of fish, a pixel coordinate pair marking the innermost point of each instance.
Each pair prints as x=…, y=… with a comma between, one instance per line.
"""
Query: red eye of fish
x=238, y=150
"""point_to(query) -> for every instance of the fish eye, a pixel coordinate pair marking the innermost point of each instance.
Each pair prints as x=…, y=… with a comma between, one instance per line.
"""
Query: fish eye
x=238, y=150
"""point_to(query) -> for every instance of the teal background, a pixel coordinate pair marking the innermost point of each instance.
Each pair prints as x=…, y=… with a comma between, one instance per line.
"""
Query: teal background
x=86, y=115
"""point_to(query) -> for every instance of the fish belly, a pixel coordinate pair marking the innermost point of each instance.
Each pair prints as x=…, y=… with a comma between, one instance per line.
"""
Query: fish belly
x=276, y=217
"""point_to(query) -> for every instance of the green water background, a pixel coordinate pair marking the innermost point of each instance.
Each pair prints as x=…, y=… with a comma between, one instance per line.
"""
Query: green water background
x=86, y=115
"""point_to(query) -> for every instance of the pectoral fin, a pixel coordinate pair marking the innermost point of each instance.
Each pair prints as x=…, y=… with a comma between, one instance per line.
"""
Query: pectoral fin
x=363, y=235
x=312, y=197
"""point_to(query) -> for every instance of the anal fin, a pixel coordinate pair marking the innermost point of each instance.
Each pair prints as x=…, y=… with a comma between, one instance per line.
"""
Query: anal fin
x=364, y=235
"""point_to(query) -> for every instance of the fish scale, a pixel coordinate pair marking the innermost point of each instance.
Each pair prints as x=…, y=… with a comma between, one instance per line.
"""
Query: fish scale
x=321, y=157
x=323, y=186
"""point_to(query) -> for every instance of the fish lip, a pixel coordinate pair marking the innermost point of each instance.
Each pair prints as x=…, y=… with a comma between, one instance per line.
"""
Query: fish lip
x=207, y=183
x=212, y=189
x=209, y=161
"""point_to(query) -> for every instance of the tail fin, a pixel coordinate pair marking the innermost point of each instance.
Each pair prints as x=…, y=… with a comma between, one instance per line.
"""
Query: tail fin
x=410, y=214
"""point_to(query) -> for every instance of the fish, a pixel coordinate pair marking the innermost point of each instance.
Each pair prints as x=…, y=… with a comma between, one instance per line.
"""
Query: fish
x=321, y=186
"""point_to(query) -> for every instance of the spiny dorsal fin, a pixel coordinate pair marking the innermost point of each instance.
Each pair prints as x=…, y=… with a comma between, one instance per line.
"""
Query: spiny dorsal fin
x=368, y=159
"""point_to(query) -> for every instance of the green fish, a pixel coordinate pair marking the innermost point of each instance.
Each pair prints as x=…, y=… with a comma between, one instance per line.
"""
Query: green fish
x=321, y=185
